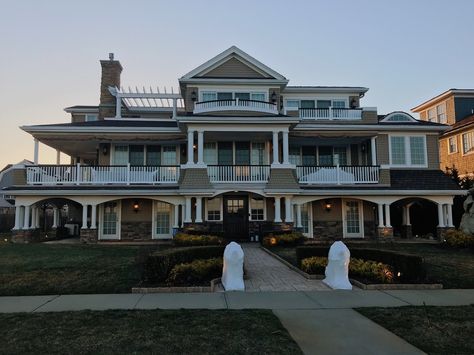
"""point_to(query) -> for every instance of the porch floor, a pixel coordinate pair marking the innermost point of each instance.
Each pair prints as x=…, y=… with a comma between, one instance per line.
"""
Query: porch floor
x=265, y=273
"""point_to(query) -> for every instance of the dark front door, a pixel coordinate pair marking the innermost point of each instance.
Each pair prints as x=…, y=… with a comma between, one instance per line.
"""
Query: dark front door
x=236, y=219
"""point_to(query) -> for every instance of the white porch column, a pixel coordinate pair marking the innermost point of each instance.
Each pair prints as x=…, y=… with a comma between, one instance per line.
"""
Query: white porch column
x=277, y=209
x=26, y=218
x=190, y=147
x=183, y=214
x=198, y=210
x=387, y=216
x=408, y=220
x=404, y=215
x=440, y=216
x=17, y=218
x=55, y=217
x=288, y=210
x=118, y=106
x=380, y=213
x=58, y=157
x=33, y=217
x=36, y=151
x=286, y=148
x=449, y=208
x=275, y=148
x=200, y=147
x=37, y=218
x=187, y=218
x=298, y=216
x=176, y=216
x=373, y=150
x=84, y=217
x=94, y=217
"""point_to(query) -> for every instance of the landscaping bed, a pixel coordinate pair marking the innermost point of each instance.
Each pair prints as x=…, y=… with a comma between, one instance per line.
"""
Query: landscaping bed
x=156, y=331
x=435, y=330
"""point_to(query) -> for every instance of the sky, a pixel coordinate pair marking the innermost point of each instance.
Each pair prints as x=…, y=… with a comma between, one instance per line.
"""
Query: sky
x=404, y=51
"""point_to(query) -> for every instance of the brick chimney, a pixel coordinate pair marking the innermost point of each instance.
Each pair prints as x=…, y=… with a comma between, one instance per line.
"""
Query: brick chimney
x=111, y=70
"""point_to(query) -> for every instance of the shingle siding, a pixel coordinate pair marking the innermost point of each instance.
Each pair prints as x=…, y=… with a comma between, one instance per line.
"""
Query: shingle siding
x=282, y=179
x=233, y=68
x=194, y=179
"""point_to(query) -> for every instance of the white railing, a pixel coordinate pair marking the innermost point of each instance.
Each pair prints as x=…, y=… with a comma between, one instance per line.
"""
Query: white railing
x=235, y=105
x=103, y=174
x=331, y=113
x=338, y=174
x=238, y=173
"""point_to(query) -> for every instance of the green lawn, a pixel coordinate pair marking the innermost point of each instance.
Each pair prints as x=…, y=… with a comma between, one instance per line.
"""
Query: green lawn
x=38, y=269
x=435, y=330
x=454, y=268
x=158, y=331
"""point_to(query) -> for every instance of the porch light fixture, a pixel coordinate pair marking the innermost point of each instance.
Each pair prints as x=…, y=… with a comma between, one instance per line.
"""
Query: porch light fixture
x=274, y=96
x=136, y=206
x=104, y=149
x=327, y=205
x=193, y=96
x=353, y=103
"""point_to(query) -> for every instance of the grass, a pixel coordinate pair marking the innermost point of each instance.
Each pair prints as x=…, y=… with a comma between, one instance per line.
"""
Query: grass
x=156, y=331
x=435, y=330
x=454, y=268
x=38, y=269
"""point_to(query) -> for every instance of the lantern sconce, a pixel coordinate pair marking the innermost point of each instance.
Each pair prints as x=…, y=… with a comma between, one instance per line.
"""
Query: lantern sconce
x=136, y=206
x=193, y=96
x=327, y=205
x=105, y=149
x=274, y=96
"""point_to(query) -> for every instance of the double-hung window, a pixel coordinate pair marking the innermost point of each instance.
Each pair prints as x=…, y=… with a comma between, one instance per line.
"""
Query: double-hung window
x=214, y=209
x=257, y=210
x=293, y=104
x=209, y=96
x=452, y=145
x=408, y=150
x=468, y=142
x=338, y=104
x=441, y=113
x=432, y=115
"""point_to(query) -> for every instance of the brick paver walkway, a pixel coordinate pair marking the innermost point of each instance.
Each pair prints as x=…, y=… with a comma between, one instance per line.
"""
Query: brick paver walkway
x=265, y=273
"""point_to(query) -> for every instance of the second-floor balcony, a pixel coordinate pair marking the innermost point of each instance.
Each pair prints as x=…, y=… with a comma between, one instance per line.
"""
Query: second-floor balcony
x=100, y=175
x=338, y=174
x=331, y=113
x=238, y=173
x=241, y=105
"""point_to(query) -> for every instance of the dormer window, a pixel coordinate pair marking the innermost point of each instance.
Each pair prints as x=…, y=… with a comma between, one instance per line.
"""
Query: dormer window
x=398, y=117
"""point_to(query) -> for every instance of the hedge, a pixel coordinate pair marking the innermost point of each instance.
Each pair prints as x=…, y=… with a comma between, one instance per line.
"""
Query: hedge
x=286, y=239
x=409, y=267
x=458, y=239
x=184, y=239
x=197, y=272
x=159, y=264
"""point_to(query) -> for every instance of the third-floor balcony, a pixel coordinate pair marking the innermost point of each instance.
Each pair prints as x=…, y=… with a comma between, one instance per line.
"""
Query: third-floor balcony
x=338, y=174
x=237, y=105
x=331, y=113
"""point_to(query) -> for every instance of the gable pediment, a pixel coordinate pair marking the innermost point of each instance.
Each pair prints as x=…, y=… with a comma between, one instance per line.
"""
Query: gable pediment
x=233, y=68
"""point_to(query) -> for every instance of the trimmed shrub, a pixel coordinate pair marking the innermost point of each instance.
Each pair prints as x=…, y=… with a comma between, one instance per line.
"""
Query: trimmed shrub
x=184, y=239
x=287, y=239
x=458, y=239
x=158, y=265
x=406, y=268
x=197, y=272
x=365, y=269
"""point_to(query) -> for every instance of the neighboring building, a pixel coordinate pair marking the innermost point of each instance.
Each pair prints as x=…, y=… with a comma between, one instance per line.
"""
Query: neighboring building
x=454, y=107
x=238, y=151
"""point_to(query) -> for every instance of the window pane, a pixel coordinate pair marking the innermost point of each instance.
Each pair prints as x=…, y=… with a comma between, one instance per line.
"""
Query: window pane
x=137, y=155
x=209, y=96
x=224, y=96
x=169, y=155
x=242, y=153
x=340, y=155
x=91, y=117
x=309, y=155
x=210, y=153
x=225, y=154
x=162, y=218
x=258, y=153
x=307, y=104
x=293, y=103
x=324, y=103
x=453, y=145
x=153, y=155
x=339, y=104
x=242, y=95
x=295, y=157
x=468, y=142
x=256, y=209
x=258, y=96
x=398, y=150
x=121, y=155
x=431, y=114
x=325, y=156
x=305, y=217
x=417, y=150
x=214, y=209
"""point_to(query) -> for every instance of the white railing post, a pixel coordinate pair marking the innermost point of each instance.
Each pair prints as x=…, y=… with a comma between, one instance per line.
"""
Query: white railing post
x=128, y=174
x=330, y=113
x=337, y=175
x=78, y=173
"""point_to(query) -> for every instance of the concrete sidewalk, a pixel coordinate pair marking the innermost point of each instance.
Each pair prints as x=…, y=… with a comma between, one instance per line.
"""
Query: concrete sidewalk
x=335, y=299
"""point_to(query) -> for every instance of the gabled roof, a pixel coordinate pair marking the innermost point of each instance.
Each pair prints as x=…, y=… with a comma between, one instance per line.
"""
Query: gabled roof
x=464, y=124
x=234, y=54
x=442, y=96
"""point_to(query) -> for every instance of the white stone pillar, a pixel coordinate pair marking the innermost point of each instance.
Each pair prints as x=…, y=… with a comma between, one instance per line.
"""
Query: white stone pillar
x=449, y=207
x=190, y=147
x=36, y=151
x=373, y=150
x=380, y=213
x=407, y=218
x=275, y=148
x=58, y=157
x=387, y=216
x=17, y=218
x=298, y=216
x=286, y=149
x=26, y=218
x=55, y=217
x=37, y=218
x=187, y=214
x=176, y=216
x=183, y=214
x=33, y=217
x=200, y=147
x=440, y=216
x=277, y=209
x=94, y=217
x=288, y=210
x=84, y=217
x=198, y=210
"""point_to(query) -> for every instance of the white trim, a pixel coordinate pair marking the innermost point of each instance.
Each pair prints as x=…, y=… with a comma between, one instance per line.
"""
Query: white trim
x=118, y=234
x=169, y=235
x=361, y=219
x=407, y=150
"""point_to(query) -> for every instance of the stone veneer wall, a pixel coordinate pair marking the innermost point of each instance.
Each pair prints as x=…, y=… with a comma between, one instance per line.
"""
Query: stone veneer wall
x=136, y=231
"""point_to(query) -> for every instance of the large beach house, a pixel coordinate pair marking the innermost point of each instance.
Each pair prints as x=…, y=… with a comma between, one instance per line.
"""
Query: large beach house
x=239, y=152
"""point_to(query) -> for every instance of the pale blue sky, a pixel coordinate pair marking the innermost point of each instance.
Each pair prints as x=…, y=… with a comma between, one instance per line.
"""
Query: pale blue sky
x=404, y=51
